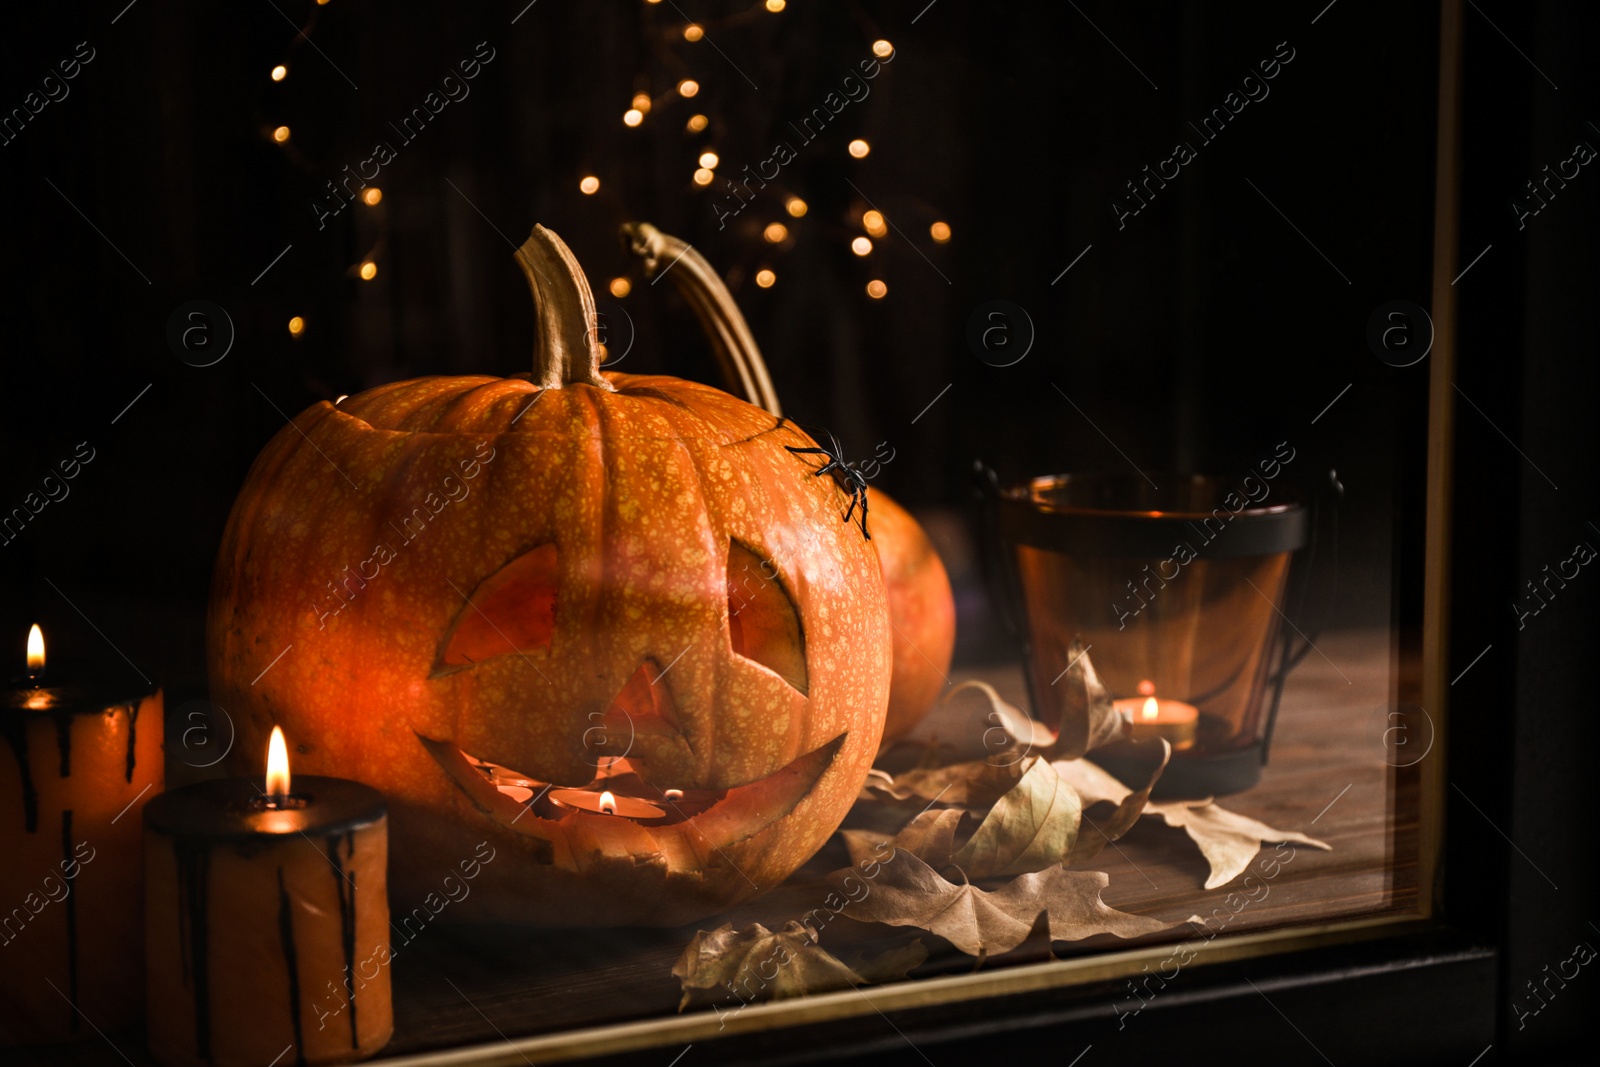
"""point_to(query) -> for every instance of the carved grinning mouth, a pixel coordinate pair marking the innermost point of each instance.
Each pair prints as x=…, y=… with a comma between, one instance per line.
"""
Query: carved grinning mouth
x=525, y=804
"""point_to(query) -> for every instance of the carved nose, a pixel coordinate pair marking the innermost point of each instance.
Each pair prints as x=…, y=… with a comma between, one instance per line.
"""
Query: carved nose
x=641, y=718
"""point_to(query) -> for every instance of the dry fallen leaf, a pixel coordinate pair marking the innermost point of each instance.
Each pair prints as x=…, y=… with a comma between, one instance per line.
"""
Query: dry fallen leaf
x=1033, y=826
x=756, y=964
x=1130, y=805
x=907, y=892
x=1089, y=718
x=1228, y=840
x=930, y=836
x=973, y=784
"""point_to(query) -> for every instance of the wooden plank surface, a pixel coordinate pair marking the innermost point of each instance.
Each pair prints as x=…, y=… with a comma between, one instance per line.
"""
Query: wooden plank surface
x=1330, y=776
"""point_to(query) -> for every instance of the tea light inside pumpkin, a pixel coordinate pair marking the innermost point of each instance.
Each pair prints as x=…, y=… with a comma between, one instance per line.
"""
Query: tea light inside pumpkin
x=267, y=920
x=606, y=802
x=1149, y=716
x=79, y=757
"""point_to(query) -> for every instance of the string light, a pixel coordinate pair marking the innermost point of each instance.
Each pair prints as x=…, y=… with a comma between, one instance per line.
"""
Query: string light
x=696, y=123
x=281, y=134
x=873, y=223
x=861, y=246
x=775, y=232
x=940, y=232
x=703, y=176
x=708, y=159
x=620, y=287
x=641, y=103
x=280, y=72
x=589, y=185
x=688, y=87
x=297, y=326
x=632, y=117
x=876, y=289
x=882, y=49
x=795, y=207
x=776, y=6
x=693, y=33
x=765, y=278
x=859, y=148
x=369, y=271
x=372, y=196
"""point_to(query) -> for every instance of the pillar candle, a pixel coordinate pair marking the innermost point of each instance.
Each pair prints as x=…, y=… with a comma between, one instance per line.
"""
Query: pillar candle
x=267, y=923
x=79, y=757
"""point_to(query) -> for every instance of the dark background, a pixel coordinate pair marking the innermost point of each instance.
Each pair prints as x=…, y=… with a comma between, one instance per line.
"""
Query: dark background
x=1219, y=321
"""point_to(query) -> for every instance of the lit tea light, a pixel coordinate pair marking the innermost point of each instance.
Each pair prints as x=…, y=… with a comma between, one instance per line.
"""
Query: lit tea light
x=606, y=802
x=1150, y=717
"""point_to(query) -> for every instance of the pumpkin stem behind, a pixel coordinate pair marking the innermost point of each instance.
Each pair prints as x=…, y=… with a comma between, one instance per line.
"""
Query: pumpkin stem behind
x=743, y=370
x=566, y=353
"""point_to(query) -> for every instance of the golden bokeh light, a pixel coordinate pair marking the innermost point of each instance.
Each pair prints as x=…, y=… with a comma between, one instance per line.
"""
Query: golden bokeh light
x=873, y=223
x=940, y=232
x=297, y=326
x=620, y=287
x=795, y=207
x=775, y=232
x=369, y=271
x=861, y=246
x=876, y=289
x=859, y=148
x=589, y=185
x=281, y=134
x=765, y=278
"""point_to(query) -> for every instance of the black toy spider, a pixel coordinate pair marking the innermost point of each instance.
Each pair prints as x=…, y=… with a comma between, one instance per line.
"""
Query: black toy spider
x=847, y=475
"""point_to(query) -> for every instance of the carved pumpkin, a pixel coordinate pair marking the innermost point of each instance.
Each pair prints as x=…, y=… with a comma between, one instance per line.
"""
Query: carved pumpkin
x=475, y=592
x=922, y=610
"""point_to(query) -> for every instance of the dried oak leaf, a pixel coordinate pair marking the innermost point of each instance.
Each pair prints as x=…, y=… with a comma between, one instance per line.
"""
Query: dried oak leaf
x=755, y=963
x=1228, y=840
x=907, y=892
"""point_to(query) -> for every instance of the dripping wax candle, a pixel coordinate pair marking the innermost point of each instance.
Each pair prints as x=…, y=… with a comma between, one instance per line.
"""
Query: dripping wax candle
x=258, y=899
x=80, y=756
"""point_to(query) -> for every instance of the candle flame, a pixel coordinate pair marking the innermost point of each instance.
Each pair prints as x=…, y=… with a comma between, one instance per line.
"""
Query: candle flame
x=35, y=650
x=673, y=794
x=1151, y=709
x=277, y=765
x=608, y=803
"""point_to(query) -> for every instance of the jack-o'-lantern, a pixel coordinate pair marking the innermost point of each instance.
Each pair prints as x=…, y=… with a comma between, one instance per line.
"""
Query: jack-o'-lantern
x=607, y=625
x=922, y=609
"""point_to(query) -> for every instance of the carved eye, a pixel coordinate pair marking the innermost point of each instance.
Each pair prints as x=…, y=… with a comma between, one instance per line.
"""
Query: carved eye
x=514, y=610
x=763, y=622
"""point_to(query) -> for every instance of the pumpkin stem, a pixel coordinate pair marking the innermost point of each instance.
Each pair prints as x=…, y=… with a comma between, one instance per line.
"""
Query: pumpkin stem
x=743, y=370
x=566, y=353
